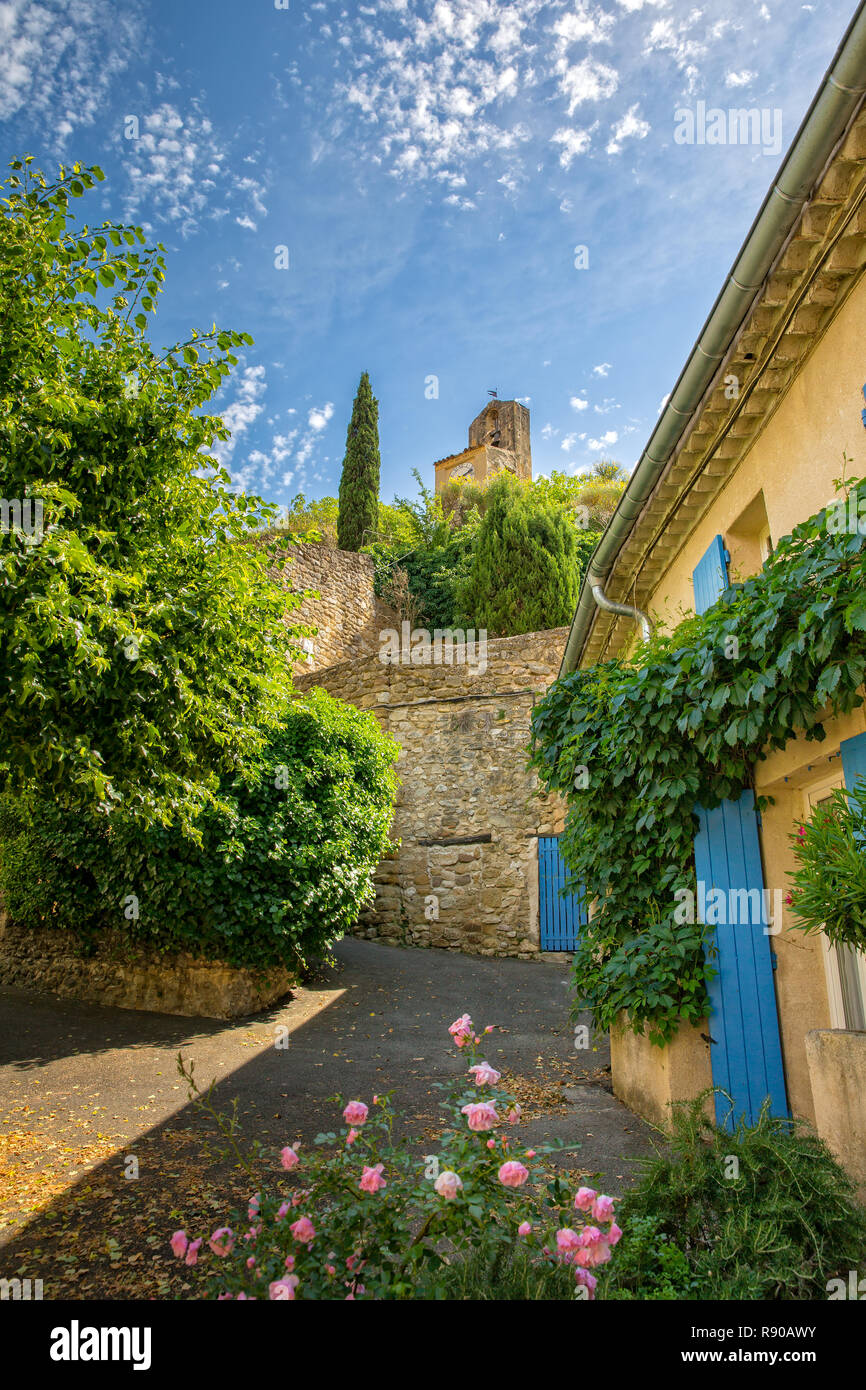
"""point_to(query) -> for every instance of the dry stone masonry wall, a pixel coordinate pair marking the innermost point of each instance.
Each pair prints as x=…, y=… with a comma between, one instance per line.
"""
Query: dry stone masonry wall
x=468, y=813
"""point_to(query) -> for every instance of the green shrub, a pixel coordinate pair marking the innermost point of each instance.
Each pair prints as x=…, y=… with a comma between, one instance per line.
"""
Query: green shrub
x=780, y=1229
x=829, y=883
x=507, y=1274
x=283, y=864
x=524, y=575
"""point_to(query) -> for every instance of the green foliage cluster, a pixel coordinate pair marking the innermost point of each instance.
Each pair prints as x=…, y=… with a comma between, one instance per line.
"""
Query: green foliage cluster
x=358, y=514
x=683, y=724
x=145, y=657
x=284, y=864
x=779, y=1224
x=142, y=647
x=829, y=883
x=315, y=521
x=524, y=573
x=433, y=538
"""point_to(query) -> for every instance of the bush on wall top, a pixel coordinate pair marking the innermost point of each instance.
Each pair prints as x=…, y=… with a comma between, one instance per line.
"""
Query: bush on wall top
x=287, y=851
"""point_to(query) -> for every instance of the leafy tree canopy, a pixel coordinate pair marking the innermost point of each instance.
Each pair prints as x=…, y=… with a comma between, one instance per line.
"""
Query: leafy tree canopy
x=142, y=647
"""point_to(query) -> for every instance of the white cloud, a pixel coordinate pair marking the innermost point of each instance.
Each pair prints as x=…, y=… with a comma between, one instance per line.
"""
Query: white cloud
x=587, y=80
x=602, y=369
x=739, y=79
x=59, y=63
x=582, y=25
x=243, y=411
x=629, y=127
x=573, y=142
x=177, y=168
x=548, y=432
x=318, y=418
x=578, y=403
x=605, y=442
x=568, y=442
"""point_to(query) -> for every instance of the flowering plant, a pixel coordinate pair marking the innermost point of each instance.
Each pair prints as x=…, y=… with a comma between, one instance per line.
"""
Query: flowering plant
x=366, y=1217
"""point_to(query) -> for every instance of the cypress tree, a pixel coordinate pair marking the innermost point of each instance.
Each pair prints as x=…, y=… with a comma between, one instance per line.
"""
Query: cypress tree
x=358, y=516
x=525, y=568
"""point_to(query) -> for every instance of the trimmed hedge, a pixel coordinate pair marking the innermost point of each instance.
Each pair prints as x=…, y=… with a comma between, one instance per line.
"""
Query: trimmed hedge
x=282, y=866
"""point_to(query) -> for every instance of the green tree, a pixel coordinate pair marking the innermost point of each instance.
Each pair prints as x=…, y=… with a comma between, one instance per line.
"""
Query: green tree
x=143, y=649
x=524, y=575
x=359, y=484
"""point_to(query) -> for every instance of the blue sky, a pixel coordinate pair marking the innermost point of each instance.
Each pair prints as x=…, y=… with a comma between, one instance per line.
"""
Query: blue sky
x=431, y=167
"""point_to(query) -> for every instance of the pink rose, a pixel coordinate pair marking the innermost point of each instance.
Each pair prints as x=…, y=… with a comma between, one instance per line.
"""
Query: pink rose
x=513, y=1115
x=448, y=1185
x=524, y=1228
x=590, y=1235
x=192, y=1252
x=490, y=1027
x=585, y=1198
x=491, y=1143
x=461, y=1028
x=480, y=1116
x=253, y=1208
x=251, y=1261
x=513, y=1174
x=352, y=1136
x=178, y=1244
x=599, y=1254
x=282, y=1210
x=282, y=1289
x=355, y=1113
x=330, y=1270
x=290, y=1262
x=567, y=1239
x=530, y=1153
x=613, y=1234
x=303, y=1230
x=289, y=1158
x=371, y=1179
x=222, y=1241
x=602, y=1209
x=484, y=1074
x=589, y=1281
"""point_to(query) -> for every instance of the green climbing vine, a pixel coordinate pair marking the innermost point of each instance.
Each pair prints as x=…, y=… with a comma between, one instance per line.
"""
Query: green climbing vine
x=635, y=745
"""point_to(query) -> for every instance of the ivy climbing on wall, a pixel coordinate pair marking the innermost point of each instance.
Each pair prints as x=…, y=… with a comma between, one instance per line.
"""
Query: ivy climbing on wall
x=634, y=745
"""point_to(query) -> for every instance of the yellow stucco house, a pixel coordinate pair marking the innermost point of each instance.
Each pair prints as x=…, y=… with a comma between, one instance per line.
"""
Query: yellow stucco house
x=756, y=429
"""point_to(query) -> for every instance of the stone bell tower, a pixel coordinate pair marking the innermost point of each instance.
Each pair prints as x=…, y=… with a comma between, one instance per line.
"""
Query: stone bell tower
x=498, y=439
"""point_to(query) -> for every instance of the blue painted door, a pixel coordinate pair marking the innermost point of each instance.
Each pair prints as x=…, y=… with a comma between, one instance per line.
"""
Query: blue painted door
x=560, y=916
x=745, y=1047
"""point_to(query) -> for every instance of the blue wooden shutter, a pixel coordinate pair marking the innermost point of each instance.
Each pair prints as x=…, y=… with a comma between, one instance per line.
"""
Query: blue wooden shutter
x=711, y=576
x=560, y=915
x=853, y=752
x=745, y=1051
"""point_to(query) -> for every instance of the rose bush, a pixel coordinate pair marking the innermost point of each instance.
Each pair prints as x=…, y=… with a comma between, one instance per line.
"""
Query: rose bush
x=366, y=1217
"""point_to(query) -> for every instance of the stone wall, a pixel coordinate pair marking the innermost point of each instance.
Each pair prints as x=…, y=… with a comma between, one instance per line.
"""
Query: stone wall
x=130, y=977
x=348, y=615
x=468, y=812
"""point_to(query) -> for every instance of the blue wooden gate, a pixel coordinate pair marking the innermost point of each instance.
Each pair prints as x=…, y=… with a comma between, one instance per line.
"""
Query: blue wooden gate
x=560, y=916
x=745, y=1046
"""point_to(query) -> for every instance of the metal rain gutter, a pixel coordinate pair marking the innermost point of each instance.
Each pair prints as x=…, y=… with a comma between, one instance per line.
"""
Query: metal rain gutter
x=822, y=129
